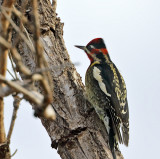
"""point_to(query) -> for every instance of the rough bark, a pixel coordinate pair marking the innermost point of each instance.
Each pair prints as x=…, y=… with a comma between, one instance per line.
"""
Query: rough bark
x=77, y=132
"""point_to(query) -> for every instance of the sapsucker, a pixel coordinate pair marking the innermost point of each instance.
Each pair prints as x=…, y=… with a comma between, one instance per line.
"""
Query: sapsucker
x=106, y=91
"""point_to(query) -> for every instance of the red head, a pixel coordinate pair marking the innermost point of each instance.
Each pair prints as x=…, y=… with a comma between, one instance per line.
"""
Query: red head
x=95, y=49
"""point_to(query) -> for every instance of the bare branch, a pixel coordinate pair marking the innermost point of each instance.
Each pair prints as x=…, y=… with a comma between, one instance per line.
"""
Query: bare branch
x=5, y=43
x=15, y=73
x=20, y=66
x=19, y=89
x=30, y=95
x=17, y=29
x=11, y=74
x=16, y=104
x=6, y=91
x=45, y=77
x=14, y=153
x=20, y=15
x=3, y=68
x=41, y=62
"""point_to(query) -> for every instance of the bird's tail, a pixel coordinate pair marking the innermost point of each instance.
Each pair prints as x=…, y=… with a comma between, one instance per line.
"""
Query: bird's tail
x=125, y=132
x=112, y=143
x=109, y=126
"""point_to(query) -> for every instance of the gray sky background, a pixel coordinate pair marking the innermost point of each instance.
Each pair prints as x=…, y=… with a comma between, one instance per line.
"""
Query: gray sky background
x=131, y=30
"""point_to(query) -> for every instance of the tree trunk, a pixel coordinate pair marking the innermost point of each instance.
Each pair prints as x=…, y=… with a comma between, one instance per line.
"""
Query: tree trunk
x=77, y=132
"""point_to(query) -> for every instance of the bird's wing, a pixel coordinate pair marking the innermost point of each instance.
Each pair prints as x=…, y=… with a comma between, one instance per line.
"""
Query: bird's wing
x=124, y=108
x=108, y=81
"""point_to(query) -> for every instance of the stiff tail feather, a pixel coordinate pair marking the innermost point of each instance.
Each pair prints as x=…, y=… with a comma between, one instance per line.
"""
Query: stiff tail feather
x=112, y=143
x=111, y=136
x=125, y=133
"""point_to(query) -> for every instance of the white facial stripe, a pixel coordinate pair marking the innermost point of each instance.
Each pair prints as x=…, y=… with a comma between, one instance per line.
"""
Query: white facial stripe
x=92, y=55
x=87, y=50
x=92, y=46
x=97, y=76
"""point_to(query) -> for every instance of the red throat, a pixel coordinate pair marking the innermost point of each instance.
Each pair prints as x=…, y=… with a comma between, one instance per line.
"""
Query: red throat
x=90, y=57
x=95, y=52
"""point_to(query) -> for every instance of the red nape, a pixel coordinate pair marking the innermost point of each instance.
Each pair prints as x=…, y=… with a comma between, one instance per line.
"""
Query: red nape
x=97, y=51
x=97, y=40
x=104, y=51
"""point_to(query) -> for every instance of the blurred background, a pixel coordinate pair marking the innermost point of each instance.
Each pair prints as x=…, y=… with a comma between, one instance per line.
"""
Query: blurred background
x=131, y=30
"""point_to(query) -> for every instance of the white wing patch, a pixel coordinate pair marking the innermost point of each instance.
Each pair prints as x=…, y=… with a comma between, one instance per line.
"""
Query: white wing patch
x=106, y=123
x=97, y=76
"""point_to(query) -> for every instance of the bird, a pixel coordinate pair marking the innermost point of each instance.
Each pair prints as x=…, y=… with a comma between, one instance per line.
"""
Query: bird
x=106, y=91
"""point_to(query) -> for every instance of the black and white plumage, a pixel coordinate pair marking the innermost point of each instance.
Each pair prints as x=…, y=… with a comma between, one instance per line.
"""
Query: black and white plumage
x=106, y=90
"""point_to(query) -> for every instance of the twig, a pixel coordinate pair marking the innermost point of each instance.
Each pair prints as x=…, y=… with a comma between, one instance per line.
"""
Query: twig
x=3, y=65
x=20, y=15
x=15, y=73
x=40, y=57
x=16, y=104
x=11, y=74
x=7, y=90
x=48, y=112
x=14, y=153
x=19, y=62
x=32, y=96
x=27, y=34
x=16, y=12
x=44, y=77
x=18, y=30
x=5, y=43
x=19, y=89
x=16, y=55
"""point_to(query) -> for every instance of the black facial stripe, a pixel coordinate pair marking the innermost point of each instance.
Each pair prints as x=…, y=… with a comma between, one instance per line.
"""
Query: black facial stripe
x=101, y=56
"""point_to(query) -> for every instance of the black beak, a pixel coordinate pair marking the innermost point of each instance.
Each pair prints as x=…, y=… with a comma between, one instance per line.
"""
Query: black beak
x=80, y=47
